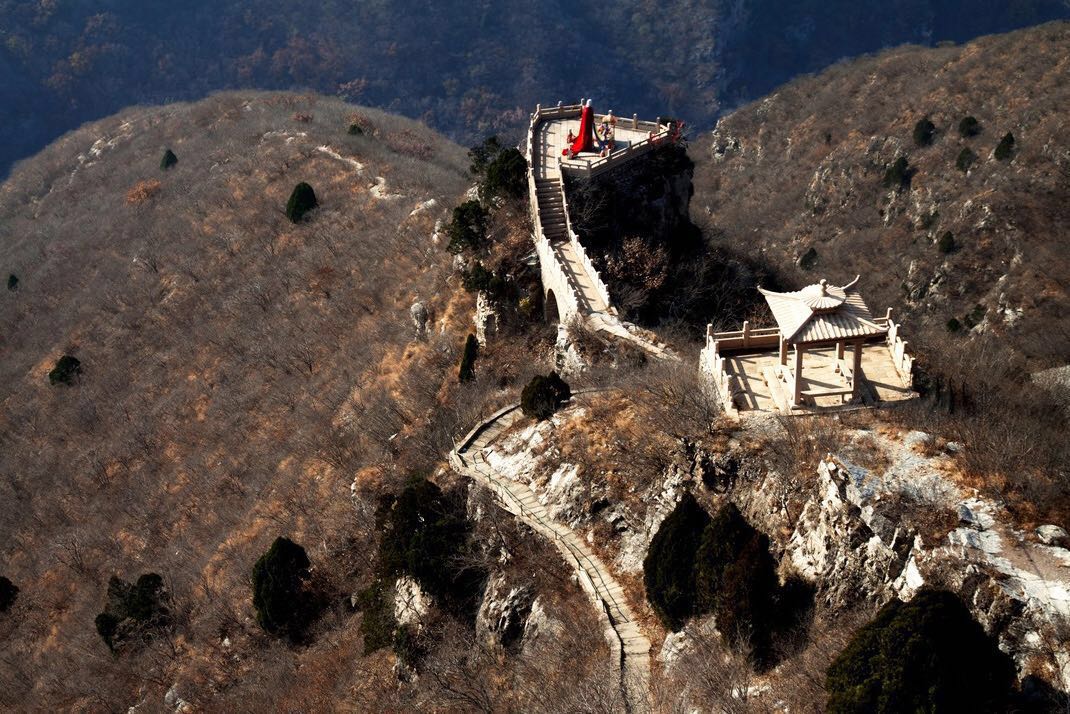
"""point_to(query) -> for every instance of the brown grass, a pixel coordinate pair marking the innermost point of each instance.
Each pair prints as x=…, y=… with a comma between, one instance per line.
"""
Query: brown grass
x=239, y=372
x=142, y=191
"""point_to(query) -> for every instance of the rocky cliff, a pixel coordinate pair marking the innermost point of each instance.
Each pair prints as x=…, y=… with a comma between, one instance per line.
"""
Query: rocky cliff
x=885, y=513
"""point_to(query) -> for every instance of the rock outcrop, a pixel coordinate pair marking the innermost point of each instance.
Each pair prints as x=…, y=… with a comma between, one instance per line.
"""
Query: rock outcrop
x=503, y=616
x=866, y=534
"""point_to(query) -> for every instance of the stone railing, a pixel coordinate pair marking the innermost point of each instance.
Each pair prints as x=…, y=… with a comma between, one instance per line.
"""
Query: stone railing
x=591, y=167
x=745, y=339
x=904, y=363
x=579, y=250
x=657, y=133
x=712, y=364
x=568, y=301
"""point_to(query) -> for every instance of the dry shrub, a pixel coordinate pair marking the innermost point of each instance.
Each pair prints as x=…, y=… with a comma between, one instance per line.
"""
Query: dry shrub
x=673, y=399
x=638, y=270
x=302, y=117
x=1013, y=431
x=796, y=444
x=409, y=143
x=363, y=121
x=142, y=191
x=613, y=438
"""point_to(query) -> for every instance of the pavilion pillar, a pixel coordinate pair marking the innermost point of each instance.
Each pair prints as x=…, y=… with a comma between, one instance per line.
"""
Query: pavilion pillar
x=796, y=397
x=839, y=349
x=856, y=370
x=783, y=350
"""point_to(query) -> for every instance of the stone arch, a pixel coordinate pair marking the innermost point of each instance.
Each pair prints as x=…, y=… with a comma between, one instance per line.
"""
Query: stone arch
x=550, y=307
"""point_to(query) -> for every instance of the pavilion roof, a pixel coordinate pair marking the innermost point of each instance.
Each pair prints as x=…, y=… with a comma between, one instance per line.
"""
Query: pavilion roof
x=822, y=313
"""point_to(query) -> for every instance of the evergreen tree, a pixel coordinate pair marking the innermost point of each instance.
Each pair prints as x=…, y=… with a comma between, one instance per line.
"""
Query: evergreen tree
x=543, y=396
x=969, y=127
x=735, y=578
x=425, y=535
x=8, y=592
x=12, y=282
x=467, y=371
x=926, y=655
x=965, y=159
x=169, y=159
x=134, y=612
x=302, y=200
x=66, y=371
x=280, y=598
x=467, y=230
x=898, y=175
x=1005, y=148
x=669, y=566
x=924, y=132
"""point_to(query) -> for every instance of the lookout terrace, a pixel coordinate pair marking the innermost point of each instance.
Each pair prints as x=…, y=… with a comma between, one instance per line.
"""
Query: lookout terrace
x=826, y=352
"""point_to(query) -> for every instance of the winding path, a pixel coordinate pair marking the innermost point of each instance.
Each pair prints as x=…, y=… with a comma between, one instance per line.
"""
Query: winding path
x=631, y=649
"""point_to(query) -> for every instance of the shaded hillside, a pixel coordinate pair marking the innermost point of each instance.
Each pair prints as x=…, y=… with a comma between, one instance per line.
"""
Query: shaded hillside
x=959, y=236
x=465, y=68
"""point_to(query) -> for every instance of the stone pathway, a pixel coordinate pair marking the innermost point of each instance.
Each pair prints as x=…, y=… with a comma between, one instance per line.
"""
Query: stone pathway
x=548, y=139
x=631, y=649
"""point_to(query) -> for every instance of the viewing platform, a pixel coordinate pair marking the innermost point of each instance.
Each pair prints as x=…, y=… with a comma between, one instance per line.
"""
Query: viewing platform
x=633, y=137
x=573, y=287
x=826, y=353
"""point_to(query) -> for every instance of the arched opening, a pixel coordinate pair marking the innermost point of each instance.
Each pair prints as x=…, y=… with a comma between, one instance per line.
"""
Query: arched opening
x=553, y=315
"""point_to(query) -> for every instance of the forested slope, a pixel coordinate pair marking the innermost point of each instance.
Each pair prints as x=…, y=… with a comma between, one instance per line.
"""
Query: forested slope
x=464, y=68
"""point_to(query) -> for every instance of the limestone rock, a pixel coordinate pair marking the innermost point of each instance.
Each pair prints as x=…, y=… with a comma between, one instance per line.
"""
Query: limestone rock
x=486, y=318
x=539, y=626
x=173, y=701
x=411, y=603
x=1053, y=535
x=504, y=612
x=420, y=317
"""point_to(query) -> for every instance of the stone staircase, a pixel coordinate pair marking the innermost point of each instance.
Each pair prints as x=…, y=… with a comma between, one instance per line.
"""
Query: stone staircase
x=473, y=458
x=551, y=209
x=574, y=272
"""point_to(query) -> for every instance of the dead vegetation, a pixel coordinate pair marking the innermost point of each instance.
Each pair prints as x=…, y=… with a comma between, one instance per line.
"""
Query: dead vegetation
x=238, y=372
x=796, y=179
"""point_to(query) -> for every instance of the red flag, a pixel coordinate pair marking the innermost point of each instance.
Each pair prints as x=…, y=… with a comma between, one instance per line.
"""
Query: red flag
x=585, y=139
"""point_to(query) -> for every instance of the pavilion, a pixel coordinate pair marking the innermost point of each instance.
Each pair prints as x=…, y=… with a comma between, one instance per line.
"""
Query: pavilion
x=822, y=316
x=802, y=365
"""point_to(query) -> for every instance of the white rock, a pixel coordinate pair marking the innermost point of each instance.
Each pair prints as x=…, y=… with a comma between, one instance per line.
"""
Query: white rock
x=411, y=603
x=504, y=612
x=1053, y=535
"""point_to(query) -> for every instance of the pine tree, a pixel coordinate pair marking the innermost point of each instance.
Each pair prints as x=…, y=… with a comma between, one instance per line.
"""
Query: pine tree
x=1005, y=149
x=169, y=159
x=282, y=605
x=302, y=200
x=467, y=370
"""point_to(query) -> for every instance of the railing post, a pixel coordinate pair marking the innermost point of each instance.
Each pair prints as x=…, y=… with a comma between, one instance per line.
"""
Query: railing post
x=558, y=103
x=635, y=121
x=746, y=333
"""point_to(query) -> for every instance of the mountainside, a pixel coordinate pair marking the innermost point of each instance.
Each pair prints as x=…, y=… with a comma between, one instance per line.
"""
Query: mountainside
x=188, y=374
x=282, y=427
x=465, y=68
x=219, y=345
x=891, y=167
